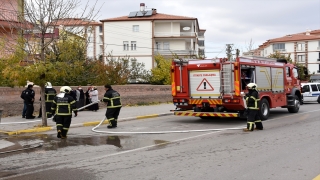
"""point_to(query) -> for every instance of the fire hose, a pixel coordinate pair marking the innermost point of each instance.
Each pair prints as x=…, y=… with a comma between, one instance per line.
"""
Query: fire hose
x=52, y=118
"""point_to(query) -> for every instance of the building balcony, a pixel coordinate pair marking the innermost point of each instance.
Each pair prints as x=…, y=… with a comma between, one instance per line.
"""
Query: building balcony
x=178, y=52
x=174, y=34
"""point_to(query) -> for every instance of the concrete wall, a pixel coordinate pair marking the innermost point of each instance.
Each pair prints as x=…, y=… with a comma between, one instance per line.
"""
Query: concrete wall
x=12, y=104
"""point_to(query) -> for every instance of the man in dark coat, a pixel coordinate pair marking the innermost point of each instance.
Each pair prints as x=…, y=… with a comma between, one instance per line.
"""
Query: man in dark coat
x=29, y=100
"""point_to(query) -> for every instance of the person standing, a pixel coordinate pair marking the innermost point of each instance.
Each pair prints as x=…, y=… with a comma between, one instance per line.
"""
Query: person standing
x=81, y=98
x=113, y=100
x=252, y=100
x=49, y=94
x=87, y=95
x=29, y=100
x=24, y=103
x=94, y=98
x=62, y=107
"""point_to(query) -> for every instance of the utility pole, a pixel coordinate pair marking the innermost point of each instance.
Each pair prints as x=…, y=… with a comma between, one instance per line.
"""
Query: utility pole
x=229, y=51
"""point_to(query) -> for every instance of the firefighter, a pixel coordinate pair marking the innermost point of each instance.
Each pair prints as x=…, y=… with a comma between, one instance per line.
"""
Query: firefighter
x=62, y=106
x=49, y=94
x=252, y=99
x=112, y=98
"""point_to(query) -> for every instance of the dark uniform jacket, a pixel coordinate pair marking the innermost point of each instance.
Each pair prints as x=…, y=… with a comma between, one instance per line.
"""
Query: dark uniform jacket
x=112, y=97
x=253, y=99
x=50, y=93
x=63, y=106
x=29, y=95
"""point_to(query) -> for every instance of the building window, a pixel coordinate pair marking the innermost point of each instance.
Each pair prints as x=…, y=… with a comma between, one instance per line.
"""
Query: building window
x=201, y=43
x=158, y=46
x=279, y=47
x=135, y=28
x=301, y=58
x=166, y=46
x=125, y=45
x=100, y=29
x=301, y=47
x=201, y=52
x=133, y=45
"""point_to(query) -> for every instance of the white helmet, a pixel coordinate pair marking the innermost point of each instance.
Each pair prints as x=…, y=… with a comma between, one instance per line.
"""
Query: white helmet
x=252, y=86
x=48, y=85
x=65, y=89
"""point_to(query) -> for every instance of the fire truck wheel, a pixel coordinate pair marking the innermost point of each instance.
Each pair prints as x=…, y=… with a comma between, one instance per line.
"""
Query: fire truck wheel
x=264, y=110
x=296, y=107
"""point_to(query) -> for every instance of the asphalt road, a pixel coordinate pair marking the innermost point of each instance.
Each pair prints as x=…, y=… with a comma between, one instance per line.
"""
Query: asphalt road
x=288, y=149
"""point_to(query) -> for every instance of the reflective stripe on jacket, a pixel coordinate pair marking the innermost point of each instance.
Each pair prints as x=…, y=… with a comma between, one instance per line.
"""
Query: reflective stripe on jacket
x=63, y=106
x=113, y=99
x=50, y=93
x=253, y=100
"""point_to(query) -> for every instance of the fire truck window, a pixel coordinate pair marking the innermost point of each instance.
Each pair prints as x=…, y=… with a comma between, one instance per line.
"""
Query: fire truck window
x=288, y=71
x=246, y=76
x=306, y=88
x=295, y=72
x=314, y=88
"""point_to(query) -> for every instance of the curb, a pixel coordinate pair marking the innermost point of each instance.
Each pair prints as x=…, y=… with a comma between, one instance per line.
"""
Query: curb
x=84, y=124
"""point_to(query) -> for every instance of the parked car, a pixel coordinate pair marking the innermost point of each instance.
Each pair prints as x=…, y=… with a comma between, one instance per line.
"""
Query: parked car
x=311, y=92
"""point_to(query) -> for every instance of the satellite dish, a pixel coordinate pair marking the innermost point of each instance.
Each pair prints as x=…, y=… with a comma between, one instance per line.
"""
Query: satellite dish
x=186, y=28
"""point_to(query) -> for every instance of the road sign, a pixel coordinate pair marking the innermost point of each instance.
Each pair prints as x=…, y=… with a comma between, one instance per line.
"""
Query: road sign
x=205, y=86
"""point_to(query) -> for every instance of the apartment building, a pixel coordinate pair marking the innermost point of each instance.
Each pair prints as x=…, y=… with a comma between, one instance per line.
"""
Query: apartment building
x=91, y=31
x=143, y=34
x=11, y=15
x=303, y=48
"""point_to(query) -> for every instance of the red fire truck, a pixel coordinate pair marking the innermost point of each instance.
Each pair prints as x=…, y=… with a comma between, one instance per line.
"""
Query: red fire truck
x=215, y=88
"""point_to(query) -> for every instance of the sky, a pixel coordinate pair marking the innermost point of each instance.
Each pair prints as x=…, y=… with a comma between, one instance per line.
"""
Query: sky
x=234, y=22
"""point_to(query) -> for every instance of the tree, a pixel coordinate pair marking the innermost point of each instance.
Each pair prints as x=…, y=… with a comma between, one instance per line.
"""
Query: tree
x=161, y=73
x=39, y=25
x=302, y=70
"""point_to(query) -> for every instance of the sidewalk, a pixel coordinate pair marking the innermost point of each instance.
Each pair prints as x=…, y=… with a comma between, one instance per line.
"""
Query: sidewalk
x=84, y=118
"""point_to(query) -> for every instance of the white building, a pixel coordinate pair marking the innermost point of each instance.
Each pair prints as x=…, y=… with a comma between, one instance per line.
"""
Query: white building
x=303, y=48
x=143, y=34
x=90, y=30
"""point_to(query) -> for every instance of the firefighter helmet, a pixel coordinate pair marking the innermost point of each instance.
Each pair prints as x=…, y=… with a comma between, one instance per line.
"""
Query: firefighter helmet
x=252, y=86
x=65, y=89
x=48, y=85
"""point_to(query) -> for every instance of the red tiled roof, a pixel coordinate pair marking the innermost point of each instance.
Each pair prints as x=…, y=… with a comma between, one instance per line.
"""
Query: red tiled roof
x=314, y=35
x=157, y=16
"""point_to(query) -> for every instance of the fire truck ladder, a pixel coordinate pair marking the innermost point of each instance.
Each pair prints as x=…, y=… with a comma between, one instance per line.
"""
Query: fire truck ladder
x=226, y=80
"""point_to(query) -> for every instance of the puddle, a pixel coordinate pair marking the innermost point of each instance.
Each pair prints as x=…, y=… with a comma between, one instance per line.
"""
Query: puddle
x=23, y=144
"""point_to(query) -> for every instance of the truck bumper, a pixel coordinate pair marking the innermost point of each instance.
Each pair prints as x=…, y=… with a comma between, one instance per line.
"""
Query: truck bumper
x=205, y=114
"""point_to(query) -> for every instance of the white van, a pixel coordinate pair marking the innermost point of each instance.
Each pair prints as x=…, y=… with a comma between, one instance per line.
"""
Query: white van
x=311, y=92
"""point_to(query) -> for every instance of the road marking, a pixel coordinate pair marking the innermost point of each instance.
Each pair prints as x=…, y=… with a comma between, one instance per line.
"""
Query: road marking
x=138, y=149
x=151, y=146
x=147, y=116
x=317, y=178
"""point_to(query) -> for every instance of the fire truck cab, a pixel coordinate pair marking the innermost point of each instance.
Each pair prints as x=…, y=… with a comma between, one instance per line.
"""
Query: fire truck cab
x=207, y=88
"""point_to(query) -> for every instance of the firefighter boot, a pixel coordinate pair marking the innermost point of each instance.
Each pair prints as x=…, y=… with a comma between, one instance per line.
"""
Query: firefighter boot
x=112, y=124
x=259, y=125
x=59, y=130
x=64, y=133
x=250, y=127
